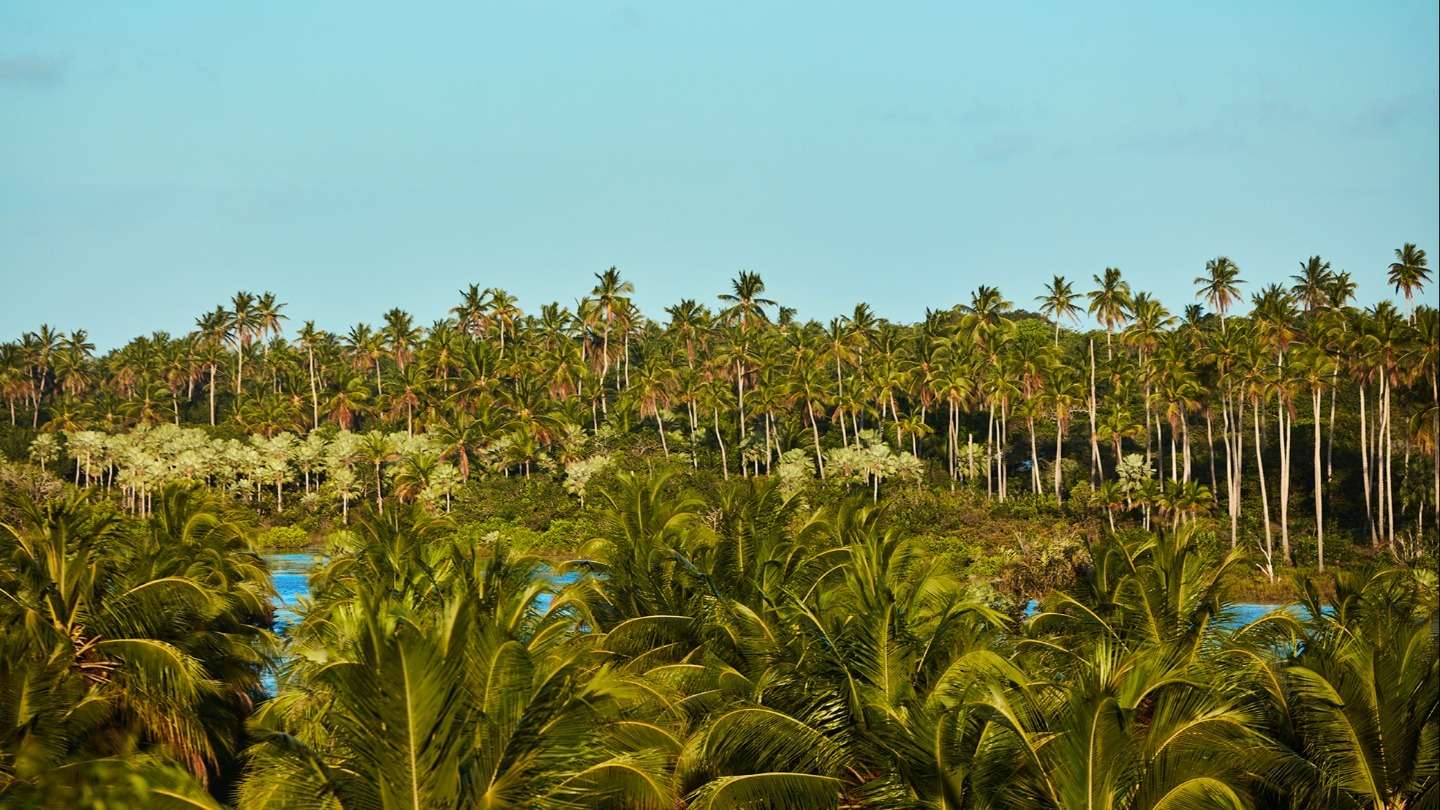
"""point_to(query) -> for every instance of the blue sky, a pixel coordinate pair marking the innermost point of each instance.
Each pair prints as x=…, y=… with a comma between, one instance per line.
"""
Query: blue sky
x=157, y=156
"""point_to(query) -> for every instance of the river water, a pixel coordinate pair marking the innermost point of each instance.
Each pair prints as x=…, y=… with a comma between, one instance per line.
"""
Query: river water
x=291, y=573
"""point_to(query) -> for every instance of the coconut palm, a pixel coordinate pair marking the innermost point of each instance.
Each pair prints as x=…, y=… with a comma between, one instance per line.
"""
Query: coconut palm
x=1409, y=273
x=1220, y=286
x=1110, y=303
x=1058, y=302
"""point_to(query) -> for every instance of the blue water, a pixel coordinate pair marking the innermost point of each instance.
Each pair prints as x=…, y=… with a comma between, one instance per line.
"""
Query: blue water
x=1241, y=613
x=291, y=574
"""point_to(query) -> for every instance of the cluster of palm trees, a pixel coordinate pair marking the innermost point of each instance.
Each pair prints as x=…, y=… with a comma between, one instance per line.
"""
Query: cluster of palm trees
x=131, y=652
x=1211, y=401
x=731, y=649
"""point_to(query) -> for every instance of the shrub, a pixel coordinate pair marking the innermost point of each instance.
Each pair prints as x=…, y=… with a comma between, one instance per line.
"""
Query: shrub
x=283, y=538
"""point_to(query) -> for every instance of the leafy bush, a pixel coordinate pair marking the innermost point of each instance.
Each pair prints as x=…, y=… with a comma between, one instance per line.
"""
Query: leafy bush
x=283, y=538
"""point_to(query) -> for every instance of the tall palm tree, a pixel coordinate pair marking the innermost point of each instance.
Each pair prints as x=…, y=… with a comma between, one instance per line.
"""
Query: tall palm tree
x=310, y=337
x=244, y=320
x=1058, y=302
x=611, y=295
x=1408, y=273
x=746, y=300
x=1220, y=286
x=1312, y=284
x=1110, y=303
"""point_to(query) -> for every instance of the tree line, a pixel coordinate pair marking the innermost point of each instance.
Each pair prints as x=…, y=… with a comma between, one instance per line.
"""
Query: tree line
x=1153, y=411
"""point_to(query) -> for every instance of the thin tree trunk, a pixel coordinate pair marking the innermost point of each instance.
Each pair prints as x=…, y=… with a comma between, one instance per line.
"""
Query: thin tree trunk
x=1389, y=472
x=1283, y=424
x=724, y=458
x=1264, y=495
x=952, y=439
x=1365, y=468
x=815, y=433
x=1097, y=467
x=1185, y=438
x=1330, y=448
x=1315, y=397
x=1034, y=458
x=989, y=453
x=314, y=394
x=1059, y=451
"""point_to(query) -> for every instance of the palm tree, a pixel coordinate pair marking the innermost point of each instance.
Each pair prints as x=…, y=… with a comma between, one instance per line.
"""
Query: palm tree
x=611, y=298
x=1408, y=273
x=1220, y=286
x=807, y=386
x=1312, y=284
x=378, y=449
x=141, y=653
x=1110, y=303
x=1058, y=302
x=400, y=335
x=747, y=305
x=309, y=338
x=243, y=321
x=1316, y=370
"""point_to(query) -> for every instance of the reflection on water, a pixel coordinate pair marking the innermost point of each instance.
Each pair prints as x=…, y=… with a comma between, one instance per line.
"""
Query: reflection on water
x=291, y=573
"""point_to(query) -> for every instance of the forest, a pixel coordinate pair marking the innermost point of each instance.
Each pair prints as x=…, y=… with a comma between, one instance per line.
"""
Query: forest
x=725, y=557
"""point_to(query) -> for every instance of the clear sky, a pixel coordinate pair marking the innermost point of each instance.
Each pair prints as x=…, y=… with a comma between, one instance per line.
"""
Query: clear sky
x=353, y=156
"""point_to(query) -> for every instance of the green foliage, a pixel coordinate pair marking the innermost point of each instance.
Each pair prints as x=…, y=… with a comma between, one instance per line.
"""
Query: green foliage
x=132, y=649
x=721, y=648
x=283, y=538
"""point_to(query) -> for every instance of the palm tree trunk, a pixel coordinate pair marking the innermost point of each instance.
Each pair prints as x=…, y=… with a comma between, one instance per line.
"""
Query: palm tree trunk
x=951, y=441
x=1389, y=472
x=989, y=453
x=314, y=394
x=1059, y=451
x=1330, y=449
x=895, y=416
x=1315, y=397
x=1264, y=495
x=1435, y=436
x=1034, y=458
x=740, y=398
x=1283, y=424
x=1364, y=466
x=1233, y=454
x=1210, y=445
x=1161, y=466
x=1002, y=471
x=769, y=433
x=815, y=434
x=694, y=434
x=212, y=395
x=1185, y=438
x=724, y=459
x=1097, y=467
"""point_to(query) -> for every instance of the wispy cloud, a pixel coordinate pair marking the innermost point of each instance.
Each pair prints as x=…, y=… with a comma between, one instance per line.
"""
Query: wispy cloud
x=34, y=70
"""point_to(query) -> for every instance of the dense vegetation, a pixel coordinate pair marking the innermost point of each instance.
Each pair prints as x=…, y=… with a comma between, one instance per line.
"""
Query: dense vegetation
x=779, y=563
x=730, y=649
x=1155, y=414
